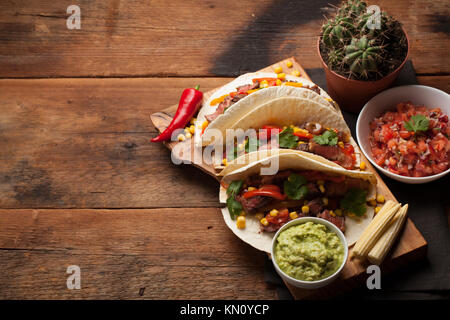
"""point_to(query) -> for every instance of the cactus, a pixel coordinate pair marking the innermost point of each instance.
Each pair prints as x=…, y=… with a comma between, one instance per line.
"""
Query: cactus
x=351, y=48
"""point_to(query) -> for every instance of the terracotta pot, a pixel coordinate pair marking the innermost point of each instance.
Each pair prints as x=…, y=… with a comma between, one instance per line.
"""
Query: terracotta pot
x=351, y=95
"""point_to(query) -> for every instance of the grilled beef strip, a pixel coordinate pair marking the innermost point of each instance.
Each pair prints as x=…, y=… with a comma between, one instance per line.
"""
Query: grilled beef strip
x=337, y=221
x=250, y=205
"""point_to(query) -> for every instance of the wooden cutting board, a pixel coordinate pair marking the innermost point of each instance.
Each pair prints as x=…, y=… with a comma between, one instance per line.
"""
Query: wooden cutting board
x=410, y=245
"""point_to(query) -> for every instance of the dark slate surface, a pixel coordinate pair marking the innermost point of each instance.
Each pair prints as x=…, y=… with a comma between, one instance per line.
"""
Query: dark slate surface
x=425, y=279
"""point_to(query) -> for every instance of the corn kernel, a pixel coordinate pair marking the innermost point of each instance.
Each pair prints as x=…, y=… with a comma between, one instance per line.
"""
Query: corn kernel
x=259, y=216
x=281, y=75
x=278, y=69
x=192, y=129
x=325, y=201
x=373, y=203
x=380, y=198
x=284, y=127
x=205, y=124
x=321, y=188
x=293, y=215
x=305, y=209
x=338, y=212
x=181, y=137
x=300, y=142
x=377, y=209
x=251, y=189
x=289, y=64
x=362, y=165
x=341, y=144
x=278, y=82
x=188, y=135
x=225, y=161
x=274, y=212
x=296, y=73
x=351, y=214
x=264, y=221
x=332, y=213
x=193, y=121
x=320, y=182
x=186, y=130
x=240, y=222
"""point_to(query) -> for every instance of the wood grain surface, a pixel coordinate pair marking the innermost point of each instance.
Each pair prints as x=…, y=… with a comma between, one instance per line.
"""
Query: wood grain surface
x=190, y=38
x=166, y=251
x=79, y=182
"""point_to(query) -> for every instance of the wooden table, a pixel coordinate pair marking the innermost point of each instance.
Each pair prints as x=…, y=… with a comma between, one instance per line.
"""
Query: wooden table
x=80, y=184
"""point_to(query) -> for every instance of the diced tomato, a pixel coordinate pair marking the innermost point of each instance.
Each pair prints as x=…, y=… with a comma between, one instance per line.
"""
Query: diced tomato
x=281, y=218
x=268, y=131
x=405, y=134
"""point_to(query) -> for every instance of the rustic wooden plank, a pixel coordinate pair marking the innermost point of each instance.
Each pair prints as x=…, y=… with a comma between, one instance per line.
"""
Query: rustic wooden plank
x=173, y=253
x=189, y=38
x=85, y=143
x=439, y=82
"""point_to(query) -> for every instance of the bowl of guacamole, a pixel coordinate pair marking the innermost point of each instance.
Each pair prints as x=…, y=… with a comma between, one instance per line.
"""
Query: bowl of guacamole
x=309, y=252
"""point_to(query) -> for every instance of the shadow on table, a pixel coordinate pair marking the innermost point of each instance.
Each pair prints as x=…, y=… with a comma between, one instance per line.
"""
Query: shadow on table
x=249, y=50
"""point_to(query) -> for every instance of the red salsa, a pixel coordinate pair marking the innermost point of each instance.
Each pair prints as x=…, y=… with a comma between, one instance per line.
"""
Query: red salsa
x=411, y=140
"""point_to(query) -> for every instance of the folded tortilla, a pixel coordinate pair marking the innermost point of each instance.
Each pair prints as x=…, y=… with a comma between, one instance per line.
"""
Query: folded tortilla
x=281, y=112
x=260, y=240
x=246, y=104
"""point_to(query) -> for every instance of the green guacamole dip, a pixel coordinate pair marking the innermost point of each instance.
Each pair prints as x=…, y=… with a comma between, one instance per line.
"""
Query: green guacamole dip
x=309, y=251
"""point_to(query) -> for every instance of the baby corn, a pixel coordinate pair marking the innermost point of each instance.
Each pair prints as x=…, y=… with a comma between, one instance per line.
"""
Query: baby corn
x=384, y=244
x=375, y=229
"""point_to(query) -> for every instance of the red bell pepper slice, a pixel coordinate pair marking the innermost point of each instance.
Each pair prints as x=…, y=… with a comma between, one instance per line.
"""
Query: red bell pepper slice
x=268, y=131
x=270, y=191
x=304, y=135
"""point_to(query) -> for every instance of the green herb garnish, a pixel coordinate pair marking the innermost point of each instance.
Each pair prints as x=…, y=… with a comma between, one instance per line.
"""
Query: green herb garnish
x=252, y=144
x=235, y=187
x=287, y=139
x=417, y=123
x=234, y=206
x=295, y=187
x=328, y=138
x=354, y=201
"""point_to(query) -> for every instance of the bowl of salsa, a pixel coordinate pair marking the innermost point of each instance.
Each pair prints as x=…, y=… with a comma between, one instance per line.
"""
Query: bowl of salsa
x=404, y=132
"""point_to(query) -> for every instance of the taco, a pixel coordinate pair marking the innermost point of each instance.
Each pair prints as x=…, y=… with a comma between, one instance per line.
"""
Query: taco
x=240, y=96
x=301, y=187
x=292, y=123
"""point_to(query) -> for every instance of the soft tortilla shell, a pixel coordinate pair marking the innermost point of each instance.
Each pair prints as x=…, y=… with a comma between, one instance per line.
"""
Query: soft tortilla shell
x=253, y=100
x=283, y=112
x=263, y=240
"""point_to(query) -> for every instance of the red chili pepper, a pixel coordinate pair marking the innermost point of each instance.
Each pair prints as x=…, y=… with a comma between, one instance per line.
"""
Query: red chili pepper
x=190, y=102
x=271, y=191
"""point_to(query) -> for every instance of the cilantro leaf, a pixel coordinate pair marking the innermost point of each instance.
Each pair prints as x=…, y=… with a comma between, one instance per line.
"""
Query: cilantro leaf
x=328, y=138
x=295, y=187
x=234, y=207
x=235, y=187
x=287, y=139
x=252, y=144
x=355, y=201
x=417, y=123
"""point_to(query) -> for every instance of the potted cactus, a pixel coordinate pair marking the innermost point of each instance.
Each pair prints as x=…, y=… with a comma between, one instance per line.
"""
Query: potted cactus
x=362, y=53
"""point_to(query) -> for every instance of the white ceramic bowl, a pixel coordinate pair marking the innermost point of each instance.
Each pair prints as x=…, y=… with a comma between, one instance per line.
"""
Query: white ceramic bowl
x=317, y=283
x=418, y=95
